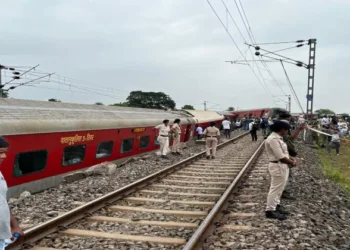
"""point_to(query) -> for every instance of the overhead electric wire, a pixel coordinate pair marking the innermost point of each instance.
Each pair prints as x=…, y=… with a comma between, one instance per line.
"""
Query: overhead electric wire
x=252, y=39
x=72, y=91
x=299, y=41
x=266, y=89
x=305, y=66
x=85, y=89
x=292, y=88
x=21, y=74
x=293, y=47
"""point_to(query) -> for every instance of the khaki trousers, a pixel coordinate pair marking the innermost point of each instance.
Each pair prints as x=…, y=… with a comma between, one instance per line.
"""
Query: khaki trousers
x=176, y=144
x=164, y=144
x=211, y=142
x=279, y=176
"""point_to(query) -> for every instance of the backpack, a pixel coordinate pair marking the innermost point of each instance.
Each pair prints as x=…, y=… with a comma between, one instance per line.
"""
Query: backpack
x=255, y=126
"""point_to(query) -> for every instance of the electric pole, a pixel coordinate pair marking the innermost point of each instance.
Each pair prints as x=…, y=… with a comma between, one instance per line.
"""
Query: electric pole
x=205, y=105
x=311, y=78
x=1, y=90
x=290, y=104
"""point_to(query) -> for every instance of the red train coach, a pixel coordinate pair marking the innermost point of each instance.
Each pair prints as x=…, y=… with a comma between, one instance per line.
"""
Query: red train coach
x=48, y=139
x=204, y=117
x=258, y=113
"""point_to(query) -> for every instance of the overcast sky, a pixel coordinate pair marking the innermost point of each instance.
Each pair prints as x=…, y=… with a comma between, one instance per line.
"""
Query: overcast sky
x=179, y=47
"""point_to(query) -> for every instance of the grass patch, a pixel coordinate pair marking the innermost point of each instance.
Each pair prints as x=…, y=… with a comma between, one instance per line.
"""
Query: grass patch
x=337, y=168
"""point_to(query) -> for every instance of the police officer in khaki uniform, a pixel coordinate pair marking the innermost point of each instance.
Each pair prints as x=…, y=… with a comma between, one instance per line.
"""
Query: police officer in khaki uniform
x=212, y=137
x=278, y=155
x=176, y=131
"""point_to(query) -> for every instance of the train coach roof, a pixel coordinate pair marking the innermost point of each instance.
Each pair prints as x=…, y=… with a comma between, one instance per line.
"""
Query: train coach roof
x=25, y=116
x=205, y=115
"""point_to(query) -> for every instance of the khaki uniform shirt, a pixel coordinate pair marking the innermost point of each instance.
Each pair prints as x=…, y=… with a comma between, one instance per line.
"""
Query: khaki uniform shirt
x=176, y=129
x=276, y=148
x=212, y=131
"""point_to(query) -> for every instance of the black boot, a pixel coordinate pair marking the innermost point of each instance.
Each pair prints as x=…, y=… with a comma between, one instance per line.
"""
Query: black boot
x=280, y=210
x=286, y=195
x=275, y=215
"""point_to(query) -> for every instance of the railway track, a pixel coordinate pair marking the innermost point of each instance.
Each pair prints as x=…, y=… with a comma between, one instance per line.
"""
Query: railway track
x=175, y=208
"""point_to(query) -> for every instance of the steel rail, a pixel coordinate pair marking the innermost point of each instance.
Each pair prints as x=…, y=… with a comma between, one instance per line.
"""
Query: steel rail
x=219, y=209
x=60, y=222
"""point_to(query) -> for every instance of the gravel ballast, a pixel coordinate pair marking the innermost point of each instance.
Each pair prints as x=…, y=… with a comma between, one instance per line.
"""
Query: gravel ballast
x=40, y=207
x=319, y=217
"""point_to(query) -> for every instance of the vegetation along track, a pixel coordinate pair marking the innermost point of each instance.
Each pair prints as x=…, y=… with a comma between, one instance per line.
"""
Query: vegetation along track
x=174, y=208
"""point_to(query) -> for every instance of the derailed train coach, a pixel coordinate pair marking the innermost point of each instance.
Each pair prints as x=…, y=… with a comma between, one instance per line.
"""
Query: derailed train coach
x=49, y=139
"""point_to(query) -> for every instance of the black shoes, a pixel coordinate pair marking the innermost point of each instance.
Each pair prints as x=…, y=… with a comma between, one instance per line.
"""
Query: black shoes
x=275, y=215
x=164, y=157
x=208, y=157
x=280, y=210
x=286, y=195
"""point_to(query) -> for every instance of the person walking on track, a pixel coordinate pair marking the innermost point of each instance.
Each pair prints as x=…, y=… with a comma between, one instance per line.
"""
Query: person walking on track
x=253, y=127
x=163, y=138
x=8, y=222
x=226, y=124
x=277, y=152
x=176, y=131
x=212, y=137
x=263, y=127
x=199, y=131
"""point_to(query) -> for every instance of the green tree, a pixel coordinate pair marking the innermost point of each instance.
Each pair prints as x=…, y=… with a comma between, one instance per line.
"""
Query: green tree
x=53, y=100
x=325, y=112
x=187, y=106
x=153, y=100
x=99, y=103
x=4, y=94
x=231, y=109
x=121, y=104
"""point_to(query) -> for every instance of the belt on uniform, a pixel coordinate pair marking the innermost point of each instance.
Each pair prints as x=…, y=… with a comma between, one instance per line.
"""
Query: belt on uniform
x=275, y=161
x=164, y=135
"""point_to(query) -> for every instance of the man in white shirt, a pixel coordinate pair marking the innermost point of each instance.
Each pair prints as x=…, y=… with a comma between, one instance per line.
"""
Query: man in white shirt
x=252, y=129
x=325, y=122
x=226, y=124
x=8, y=223
x=163, y=138
x=199, y=131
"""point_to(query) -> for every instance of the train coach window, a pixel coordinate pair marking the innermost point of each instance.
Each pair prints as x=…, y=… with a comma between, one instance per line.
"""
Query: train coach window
x=73, y=155
x=104, y=149
x=127, y=145
x=30, y=162
x=144, y=141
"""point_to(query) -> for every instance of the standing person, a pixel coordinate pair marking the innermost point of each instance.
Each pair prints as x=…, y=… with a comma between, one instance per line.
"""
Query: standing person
x=163, y=138
x=199, y=131
x=263, y=127
x=288, y=139
x=212, y=137
x=226, y=124
x=176, y=131
x=335, y=140
x=252, y=129
x=8, y=222
x=277, y=152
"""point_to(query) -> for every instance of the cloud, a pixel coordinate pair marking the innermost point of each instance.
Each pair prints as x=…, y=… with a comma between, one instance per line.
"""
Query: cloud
x=178, y=47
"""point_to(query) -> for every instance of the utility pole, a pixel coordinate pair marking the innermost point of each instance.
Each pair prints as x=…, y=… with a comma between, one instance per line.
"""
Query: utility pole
x=1, y=90
x=205, y=105
x=311, y=78
x=289, y=104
